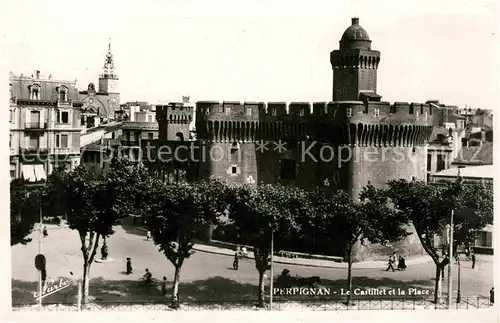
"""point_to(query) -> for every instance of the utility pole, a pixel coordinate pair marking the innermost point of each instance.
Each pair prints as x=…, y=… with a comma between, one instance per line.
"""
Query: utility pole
x=271, y=272
x=40, y=251
x=450, y=258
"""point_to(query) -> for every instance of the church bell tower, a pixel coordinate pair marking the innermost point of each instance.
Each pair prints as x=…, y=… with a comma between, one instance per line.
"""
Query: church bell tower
x=108, y=83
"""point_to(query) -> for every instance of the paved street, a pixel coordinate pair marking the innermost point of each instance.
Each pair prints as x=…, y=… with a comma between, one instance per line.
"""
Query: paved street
x=205, y=276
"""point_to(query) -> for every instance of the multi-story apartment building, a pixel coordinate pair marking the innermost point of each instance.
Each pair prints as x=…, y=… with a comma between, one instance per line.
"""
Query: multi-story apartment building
x=44, y=126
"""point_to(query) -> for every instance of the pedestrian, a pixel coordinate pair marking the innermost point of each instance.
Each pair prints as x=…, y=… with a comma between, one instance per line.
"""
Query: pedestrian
x=129, y=266
x=492, y=295
x=401, y=263
x=236, y=260
x=147, y=276
x=45, y=233
x=392, y=260
x=244, y=252
x=473, y=260
x=164, y=286
x=104, y=251
x=148, y=235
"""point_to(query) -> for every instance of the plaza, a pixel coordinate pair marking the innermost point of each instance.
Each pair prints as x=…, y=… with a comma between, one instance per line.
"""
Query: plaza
x=205, y=277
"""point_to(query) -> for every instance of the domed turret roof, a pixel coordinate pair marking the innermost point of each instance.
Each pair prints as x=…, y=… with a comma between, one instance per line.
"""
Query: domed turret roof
x=355, y=32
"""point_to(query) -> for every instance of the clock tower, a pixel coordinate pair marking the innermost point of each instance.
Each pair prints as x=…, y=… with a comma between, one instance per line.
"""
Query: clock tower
x=108, y=83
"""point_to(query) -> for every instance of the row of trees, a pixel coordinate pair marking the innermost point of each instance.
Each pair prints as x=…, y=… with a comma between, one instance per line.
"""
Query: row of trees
x=176, y=213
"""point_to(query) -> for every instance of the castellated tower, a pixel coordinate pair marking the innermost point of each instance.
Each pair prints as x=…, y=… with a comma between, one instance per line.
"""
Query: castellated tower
x=173, y=121
x=354, y=140
x=354, y=64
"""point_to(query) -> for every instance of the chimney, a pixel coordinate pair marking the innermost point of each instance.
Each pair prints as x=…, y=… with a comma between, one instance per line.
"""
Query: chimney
x=37, y=74
x=355, y=21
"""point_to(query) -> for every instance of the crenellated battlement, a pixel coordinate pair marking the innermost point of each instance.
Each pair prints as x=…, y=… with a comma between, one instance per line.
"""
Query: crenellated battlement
x=340, y=111
x=342, y=122
x=173, y=112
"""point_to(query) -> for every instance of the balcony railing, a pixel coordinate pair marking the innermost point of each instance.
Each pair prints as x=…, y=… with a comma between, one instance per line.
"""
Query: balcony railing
x=34, y=150
x=35, y=125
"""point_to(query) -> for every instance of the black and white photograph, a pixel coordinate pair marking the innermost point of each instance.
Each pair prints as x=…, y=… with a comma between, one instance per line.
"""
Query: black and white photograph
x=262, y=156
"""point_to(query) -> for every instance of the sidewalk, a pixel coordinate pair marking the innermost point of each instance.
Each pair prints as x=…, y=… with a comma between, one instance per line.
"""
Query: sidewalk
x=313, y=262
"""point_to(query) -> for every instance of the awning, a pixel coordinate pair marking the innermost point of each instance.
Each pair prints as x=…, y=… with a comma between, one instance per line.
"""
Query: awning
x=28, y=173
x=40, y=172
x=33, y=173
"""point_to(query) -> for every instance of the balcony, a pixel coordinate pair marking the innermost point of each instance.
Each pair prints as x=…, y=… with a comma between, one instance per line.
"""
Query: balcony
x=34, y=151
x=36, y=126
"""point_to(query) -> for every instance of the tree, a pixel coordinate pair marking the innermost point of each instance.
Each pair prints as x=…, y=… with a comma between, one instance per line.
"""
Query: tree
x=24, y=211
x=339, y=217
x=176, y=214
x=92, y=205
x=257, y=212
x=473, y=211
x=429, y=206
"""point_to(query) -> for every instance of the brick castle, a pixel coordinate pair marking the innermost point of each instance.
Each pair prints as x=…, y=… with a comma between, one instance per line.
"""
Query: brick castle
x=347, y=143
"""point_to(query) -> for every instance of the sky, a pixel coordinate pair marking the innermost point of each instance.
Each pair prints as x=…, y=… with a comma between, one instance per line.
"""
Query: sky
x=258, y=50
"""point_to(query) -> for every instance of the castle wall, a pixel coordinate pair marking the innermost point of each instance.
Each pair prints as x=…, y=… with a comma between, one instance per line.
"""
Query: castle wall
x=173, y=121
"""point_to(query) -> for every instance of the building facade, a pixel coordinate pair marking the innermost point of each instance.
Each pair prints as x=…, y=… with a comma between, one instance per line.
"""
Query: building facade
x=45, y=126
x=100, y=104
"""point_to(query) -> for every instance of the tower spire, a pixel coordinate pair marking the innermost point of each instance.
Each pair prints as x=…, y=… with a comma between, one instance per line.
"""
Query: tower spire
x=109, y=65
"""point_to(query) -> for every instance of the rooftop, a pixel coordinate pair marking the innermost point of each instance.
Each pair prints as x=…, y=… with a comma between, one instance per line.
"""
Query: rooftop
x=485, y=171
x=477, y=155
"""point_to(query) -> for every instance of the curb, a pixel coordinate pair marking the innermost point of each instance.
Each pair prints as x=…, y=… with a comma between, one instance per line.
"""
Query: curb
x=333, y=265
x=276, y=261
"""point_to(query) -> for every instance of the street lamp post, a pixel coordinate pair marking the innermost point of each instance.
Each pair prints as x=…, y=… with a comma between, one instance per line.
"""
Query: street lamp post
x=271, y=272
x=458, y=289
x=450, y=255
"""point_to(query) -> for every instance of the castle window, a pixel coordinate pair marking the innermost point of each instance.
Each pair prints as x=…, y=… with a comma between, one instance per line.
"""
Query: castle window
x=417, y=114
x=425, y=115
x=234, y=170
x=421, y=109
x=249, y=111
x=393, y=108
x=273, y=112
x=376, y=112
x=301, y=112
x=221, y=109
x=12, y=116
x=349, y=112
x=411, y=109
x=228, y=111
x=288, y=169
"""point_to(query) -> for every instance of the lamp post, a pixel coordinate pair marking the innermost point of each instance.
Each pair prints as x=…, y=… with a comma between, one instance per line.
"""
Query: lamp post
x=458, y=290
x=450, y=255
x=271, y=272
